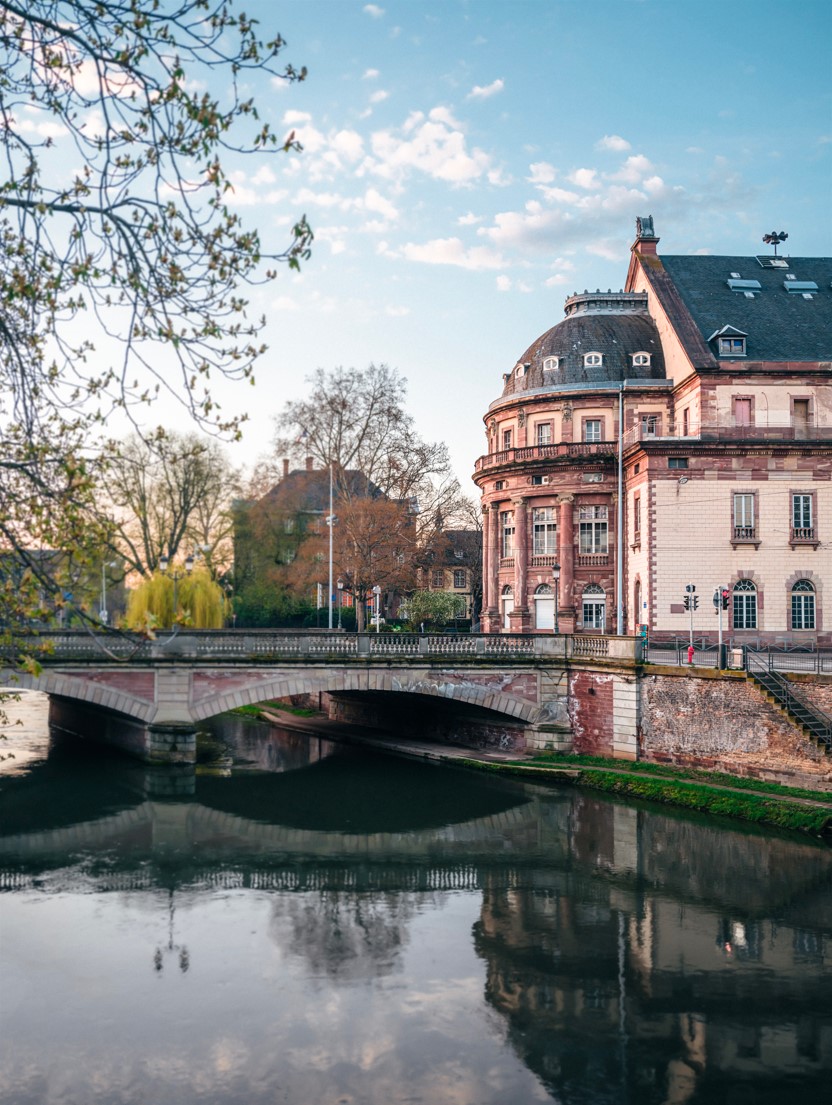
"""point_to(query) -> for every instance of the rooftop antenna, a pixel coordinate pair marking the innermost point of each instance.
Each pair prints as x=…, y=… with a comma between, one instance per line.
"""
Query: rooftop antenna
x=774, y=239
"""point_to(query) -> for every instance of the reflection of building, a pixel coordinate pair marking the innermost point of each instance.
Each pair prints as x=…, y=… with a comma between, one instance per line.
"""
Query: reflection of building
x=722, y=368
x=613, y=992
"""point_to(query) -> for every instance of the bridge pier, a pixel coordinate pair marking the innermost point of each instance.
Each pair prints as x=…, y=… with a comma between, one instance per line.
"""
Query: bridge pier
x=159, y=743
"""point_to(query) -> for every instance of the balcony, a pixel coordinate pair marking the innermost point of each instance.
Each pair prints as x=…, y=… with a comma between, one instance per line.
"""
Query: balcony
x=593, y=560
x=565, y=451
x=745, y=535
x=803, y=535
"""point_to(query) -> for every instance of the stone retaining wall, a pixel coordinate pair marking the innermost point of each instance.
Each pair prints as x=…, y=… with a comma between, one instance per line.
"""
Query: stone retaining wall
x=723, y=722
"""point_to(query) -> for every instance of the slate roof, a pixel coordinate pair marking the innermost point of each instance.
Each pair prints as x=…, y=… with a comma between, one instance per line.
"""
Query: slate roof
x=308, y=491
x=616, y=325
x=781, y=326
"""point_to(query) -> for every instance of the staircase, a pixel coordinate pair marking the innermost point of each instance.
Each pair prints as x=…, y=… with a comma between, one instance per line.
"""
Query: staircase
x=814, y=723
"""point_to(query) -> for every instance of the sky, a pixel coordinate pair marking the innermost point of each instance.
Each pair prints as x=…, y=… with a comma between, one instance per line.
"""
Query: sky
x=468, y=164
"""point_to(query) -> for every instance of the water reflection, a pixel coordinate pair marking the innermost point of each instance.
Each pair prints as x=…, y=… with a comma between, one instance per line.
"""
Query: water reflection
x=320, y=926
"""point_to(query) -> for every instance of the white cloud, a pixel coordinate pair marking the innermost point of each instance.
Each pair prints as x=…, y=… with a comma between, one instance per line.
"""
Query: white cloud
x=348, y=145
x=613, y=142
x=369, y=74
x=469, y=219
x=484, y=92
x=541, y=173
x=694, y=149
x=633, y=170
x=435, y=146
x=285, y=303
x=584, y=178
x=556, y=280
x=374, y=10
x=397, y=312
x=450, y=251
x=379, y=97
x=503, y=283
x=296, y=118
x=559, y=195
x=380, y=205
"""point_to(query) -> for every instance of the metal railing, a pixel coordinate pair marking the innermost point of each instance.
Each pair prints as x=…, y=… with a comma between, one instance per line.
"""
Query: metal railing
x=817, y=723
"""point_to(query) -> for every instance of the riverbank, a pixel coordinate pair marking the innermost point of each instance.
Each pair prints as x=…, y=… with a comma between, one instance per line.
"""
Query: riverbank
x=740, y=798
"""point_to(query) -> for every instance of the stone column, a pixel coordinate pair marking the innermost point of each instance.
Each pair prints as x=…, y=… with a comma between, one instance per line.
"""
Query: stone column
x=520, y=622
x=566, y=554
x=491, y=585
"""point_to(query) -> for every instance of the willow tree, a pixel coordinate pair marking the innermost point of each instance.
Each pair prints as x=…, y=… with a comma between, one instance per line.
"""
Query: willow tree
x=123, y=269
x=196, y=600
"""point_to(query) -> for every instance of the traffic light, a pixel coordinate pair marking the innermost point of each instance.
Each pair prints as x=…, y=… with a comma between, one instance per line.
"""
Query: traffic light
x=725, y=596
x=687, y=602
x=696, y=602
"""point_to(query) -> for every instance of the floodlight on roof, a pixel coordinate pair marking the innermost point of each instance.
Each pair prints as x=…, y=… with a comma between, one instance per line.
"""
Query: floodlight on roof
x=775, y=238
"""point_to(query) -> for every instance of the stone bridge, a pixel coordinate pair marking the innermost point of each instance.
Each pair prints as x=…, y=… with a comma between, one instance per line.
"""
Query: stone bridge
x=510, y=691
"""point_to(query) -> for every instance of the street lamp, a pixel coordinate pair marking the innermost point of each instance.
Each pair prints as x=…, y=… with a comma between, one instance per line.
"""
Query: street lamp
x=340, y=599
x=377, y=603
x=556, y=580
x=164, y=562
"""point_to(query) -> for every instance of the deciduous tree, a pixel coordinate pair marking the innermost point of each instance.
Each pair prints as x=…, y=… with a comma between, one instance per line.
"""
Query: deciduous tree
x=123, y=267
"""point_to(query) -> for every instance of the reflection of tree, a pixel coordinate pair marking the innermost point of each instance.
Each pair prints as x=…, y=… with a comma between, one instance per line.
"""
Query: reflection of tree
x=345, y=935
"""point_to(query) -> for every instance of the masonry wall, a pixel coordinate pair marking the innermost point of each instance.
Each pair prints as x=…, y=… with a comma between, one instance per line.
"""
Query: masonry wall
x=725, y=723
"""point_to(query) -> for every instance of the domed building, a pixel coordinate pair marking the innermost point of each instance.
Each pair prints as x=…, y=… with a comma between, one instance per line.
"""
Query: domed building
x=618, y=425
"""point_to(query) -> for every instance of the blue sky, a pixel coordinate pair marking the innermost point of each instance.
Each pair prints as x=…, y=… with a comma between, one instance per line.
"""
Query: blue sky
x=468, y=164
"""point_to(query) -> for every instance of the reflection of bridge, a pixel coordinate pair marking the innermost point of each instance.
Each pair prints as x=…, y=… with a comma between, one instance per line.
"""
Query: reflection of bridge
x=149, y=697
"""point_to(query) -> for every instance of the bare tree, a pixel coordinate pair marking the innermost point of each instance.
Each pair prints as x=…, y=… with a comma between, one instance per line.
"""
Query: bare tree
x=122, y=267
x=170, y=496
x=356, y=419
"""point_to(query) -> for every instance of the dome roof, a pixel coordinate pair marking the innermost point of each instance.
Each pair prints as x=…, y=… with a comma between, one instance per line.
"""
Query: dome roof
x=605, y=338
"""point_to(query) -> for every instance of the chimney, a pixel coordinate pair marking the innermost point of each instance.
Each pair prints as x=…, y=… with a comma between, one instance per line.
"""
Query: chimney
x=646, y=240
x=285, y=467
x=309, y=463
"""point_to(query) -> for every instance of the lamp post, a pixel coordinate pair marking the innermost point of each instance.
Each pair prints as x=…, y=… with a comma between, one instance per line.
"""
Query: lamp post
x=340, y=599
x=164, y=562
x=556, y=580
x=377, y=606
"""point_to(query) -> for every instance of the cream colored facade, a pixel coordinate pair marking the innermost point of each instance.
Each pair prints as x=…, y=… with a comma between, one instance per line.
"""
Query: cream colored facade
x=726, y=447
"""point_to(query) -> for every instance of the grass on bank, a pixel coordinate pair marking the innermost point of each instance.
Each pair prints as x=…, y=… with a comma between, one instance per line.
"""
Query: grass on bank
x=679, y=790
x=671, y=771
x=257, y=711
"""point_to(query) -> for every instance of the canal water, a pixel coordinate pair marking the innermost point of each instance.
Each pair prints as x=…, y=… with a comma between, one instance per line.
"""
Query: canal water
x=298, y=922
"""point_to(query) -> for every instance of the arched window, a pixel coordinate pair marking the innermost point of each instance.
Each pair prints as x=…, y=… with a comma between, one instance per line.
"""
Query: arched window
x=593, y=360
x=744, y=605
x=550, y=364
x=544, y=607
x=803, y=605
x=594, y=607
x=507, y=599
x=640, y=360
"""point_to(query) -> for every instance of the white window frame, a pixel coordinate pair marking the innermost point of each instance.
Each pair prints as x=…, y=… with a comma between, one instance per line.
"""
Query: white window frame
x=590, y=436
x=593, y=360
x=460, y=579
x=744, y=605
x=593, y=529
x=803, y=605
x=543, y=430
x=544, y=531
x=641, y=360
x=507, y=532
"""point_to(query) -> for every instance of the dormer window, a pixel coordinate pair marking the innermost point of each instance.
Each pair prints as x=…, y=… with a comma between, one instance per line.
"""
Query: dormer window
x=551, y=364
x=732, y=347
x=520, y=370
x=730, y=342
x=641, y=360
x=593, y=360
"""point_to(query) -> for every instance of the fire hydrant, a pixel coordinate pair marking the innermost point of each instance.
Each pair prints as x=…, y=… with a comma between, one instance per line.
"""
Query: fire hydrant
x=690, y=654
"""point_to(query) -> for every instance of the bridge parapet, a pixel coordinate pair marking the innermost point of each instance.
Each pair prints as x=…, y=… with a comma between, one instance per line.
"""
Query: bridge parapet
x=246, y=646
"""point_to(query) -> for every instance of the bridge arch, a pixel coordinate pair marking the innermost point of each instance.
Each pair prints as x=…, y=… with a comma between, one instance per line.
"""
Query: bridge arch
x=81, y=689
x=339, y=680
